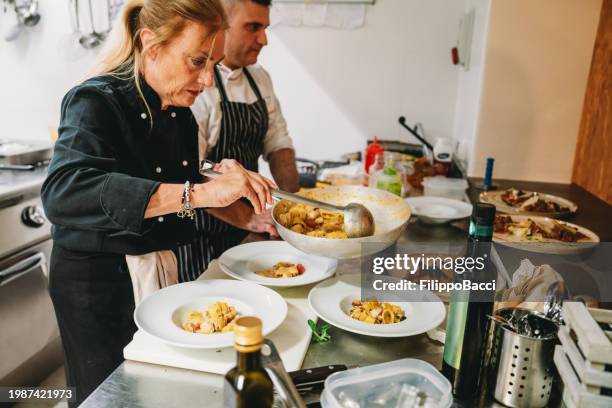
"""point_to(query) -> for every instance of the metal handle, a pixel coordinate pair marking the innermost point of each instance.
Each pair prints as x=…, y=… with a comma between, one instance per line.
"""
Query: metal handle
x=279, y=376
x=315, y=376
x=279, y=194
x=402, y=121
x=303, y=200
x=22, y=267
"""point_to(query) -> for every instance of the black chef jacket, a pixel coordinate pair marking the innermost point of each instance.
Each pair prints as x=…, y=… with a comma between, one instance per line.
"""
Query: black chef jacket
x=109, y=159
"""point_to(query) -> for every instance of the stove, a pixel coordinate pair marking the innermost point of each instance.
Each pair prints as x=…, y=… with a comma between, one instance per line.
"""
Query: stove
x=25, y=249
x=20, y=153
x=23, y=166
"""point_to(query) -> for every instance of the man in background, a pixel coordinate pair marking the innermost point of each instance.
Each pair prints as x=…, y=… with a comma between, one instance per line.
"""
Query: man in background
x=239, y=119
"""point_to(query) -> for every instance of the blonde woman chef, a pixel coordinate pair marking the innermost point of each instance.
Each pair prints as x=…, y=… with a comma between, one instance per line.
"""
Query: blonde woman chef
x=124, y=177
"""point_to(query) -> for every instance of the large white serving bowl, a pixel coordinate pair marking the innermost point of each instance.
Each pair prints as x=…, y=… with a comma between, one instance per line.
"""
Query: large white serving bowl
x=331, y=300
x=161, y=314
x=242, y=261
x=391, y=215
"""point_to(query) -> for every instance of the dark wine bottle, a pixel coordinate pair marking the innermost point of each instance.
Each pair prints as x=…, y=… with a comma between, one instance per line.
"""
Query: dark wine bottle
x=248, y=384
x=467, y=321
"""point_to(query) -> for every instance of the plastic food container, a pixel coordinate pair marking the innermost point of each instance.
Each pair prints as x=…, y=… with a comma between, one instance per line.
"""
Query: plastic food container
x=402, y=383
x=445, y=187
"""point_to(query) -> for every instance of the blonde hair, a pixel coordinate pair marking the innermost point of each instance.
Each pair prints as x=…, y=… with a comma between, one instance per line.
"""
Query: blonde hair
x=166, y=18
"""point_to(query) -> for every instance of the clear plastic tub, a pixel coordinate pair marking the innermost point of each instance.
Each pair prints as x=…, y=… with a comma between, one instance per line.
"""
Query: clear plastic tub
x=402, y=383
x=445, y=187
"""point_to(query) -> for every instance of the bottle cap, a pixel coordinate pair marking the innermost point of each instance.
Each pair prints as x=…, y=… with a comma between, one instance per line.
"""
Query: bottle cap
x=483, y=213
x=247, y=333
x=375, y=147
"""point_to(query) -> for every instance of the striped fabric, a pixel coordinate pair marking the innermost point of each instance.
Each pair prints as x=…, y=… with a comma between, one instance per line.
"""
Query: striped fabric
x=243, y=128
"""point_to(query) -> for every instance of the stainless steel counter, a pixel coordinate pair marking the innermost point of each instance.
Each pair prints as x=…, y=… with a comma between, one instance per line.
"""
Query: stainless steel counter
x=144, y=385
x=136, y=384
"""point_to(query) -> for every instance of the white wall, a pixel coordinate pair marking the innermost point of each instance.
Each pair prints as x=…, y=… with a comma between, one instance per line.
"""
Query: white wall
x=522, y=95
x=36, y=70
x=338, y=88
x=469, y=86
x=537, y=59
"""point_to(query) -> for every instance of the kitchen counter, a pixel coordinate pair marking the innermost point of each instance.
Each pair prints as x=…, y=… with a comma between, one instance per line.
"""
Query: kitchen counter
x=136, y=384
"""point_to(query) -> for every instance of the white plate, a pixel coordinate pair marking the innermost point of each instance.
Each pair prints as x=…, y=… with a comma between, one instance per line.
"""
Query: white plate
x=547, y=246
x=331, y=299
x=494, y=197
x=161, y=314
x=242, y=261
x=439, y=210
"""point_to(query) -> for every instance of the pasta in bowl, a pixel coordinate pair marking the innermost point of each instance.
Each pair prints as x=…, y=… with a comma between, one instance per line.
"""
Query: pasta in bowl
x=218, y=317
x=322, y=233
x=310, y=221
x=375, y=312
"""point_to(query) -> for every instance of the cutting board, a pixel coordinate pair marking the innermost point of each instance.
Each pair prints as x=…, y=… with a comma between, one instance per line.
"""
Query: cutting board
x=291, y=338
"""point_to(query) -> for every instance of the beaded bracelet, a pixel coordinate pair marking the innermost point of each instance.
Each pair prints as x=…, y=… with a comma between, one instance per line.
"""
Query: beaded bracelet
x=187, y=209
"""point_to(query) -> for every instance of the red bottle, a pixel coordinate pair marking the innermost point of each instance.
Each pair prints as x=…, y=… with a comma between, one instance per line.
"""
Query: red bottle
x=372, y=151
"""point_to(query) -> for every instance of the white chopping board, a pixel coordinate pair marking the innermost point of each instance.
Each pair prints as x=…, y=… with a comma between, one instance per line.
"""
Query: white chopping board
x=291, y=338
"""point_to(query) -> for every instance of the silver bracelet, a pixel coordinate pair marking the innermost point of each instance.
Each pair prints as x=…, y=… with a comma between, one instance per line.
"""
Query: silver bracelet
x=187, y=209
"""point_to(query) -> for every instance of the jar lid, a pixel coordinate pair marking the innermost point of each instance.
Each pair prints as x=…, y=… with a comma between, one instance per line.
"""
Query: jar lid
x=373, y=382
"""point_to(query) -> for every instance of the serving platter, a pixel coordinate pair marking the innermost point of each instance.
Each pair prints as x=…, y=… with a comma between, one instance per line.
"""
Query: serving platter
x=518, y=240
x=495, y=198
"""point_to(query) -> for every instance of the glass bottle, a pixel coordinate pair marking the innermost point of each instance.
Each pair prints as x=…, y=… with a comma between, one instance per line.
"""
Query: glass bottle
x=248, y=385
x=466, y=328
x=389, y=179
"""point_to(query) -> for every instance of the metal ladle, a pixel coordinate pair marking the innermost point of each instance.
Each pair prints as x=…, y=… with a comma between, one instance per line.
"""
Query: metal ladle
x=358, y=220
x=92, y=39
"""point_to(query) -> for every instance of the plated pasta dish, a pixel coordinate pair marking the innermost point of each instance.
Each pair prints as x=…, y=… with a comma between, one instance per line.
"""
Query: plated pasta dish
x=218, y=317
x=282, y=270
x=375, y=312
x=310, y=221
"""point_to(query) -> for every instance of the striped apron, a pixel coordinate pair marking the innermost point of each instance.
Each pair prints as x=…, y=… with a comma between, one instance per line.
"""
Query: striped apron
x=243, y=128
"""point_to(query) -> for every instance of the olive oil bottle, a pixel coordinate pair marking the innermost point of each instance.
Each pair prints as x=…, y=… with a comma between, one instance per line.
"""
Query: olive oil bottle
x=467, y=320
x=248, y=385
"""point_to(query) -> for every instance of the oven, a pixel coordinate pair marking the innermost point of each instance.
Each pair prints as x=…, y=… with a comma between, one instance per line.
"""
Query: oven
x=30, y=346
x=29, y=336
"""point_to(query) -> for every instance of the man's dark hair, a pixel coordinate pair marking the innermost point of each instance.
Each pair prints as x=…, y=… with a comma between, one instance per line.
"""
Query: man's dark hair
x=230, y=3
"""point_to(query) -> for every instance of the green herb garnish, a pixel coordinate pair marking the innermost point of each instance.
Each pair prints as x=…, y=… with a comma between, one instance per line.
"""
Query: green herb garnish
x=320, y=334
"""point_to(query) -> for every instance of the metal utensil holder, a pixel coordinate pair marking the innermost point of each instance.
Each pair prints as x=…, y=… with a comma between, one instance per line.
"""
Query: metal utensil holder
x=520, y=368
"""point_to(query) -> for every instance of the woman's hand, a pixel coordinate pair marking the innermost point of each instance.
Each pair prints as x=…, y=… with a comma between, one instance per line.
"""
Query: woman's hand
x=242, y=216
x=262, y=223
x=235, y=182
